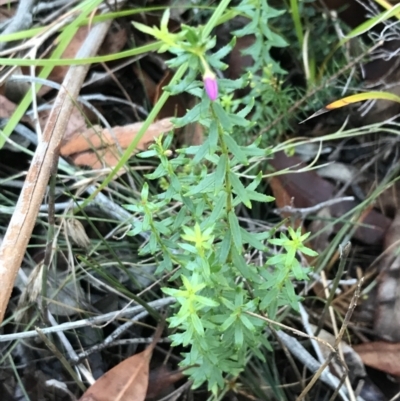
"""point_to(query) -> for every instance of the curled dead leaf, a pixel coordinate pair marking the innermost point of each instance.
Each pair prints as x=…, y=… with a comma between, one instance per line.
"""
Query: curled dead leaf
x=74, y=229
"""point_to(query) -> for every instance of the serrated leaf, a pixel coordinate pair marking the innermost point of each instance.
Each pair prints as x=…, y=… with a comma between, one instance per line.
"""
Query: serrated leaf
x=213, y=136
x=236, y=119
x=225, y=50
x=238, y=335
x=147, y=153
x=162, y=228
x=176, y=61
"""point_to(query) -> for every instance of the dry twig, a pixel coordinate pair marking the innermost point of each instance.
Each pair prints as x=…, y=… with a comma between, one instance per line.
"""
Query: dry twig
x=44, y=161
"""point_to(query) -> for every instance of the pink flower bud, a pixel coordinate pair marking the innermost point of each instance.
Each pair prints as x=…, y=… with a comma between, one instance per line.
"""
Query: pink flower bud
x=210, y=85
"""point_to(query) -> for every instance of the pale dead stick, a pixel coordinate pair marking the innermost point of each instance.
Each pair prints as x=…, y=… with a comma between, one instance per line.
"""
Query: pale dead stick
x=45, y=158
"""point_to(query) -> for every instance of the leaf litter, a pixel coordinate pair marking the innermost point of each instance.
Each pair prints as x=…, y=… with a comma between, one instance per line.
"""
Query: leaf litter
x=128, y=381
x=90, y=145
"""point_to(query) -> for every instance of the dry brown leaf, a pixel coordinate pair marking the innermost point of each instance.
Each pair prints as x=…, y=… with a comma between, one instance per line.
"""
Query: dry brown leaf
x=309, y=189
x=161, y=380
x=238, y=62
x=114, y=42
x=125, y=382
x=149, y=85
x=282, y=198
x=75, y=230
x=97, y=147
x=175, y=105
x=128, y=381
x=387, y=308
x=381, y=355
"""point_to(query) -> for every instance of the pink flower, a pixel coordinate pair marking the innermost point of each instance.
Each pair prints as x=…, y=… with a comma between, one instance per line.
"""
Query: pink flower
x=210, y=85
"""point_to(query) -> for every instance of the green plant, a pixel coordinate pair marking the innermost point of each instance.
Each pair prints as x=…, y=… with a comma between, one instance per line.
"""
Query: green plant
x=204, y=239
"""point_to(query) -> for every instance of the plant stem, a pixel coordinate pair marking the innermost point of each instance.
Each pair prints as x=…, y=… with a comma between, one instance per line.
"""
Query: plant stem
x=213, y=21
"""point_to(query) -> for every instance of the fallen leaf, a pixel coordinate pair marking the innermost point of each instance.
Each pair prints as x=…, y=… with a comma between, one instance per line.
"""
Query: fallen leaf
x=161, y=381
x=149, y=85
x=387, y=302
x=239, y=63
x=114, y=41
x=97, y=147
x=368, y=391
x=175, y=105
x=282, y=198
x=381, y=355
x=309, y=189
x=128, y=381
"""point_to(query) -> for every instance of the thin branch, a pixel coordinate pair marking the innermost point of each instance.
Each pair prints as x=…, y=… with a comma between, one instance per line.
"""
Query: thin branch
x=319, y=373
x=312, y=209
x=160, y=303
x=22, y=20
x=108, y=341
